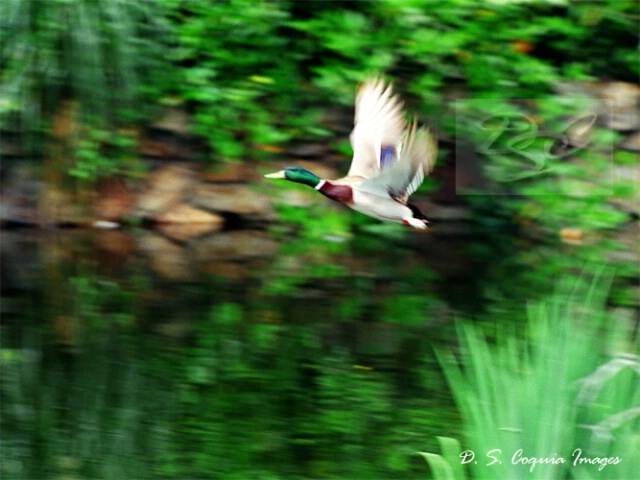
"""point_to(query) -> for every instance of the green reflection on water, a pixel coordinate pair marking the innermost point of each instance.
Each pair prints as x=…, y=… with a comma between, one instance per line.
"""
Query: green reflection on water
x=315, y=361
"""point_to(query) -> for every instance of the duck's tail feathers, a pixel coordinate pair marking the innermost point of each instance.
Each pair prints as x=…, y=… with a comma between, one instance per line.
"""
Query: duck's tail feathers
x=417, y=214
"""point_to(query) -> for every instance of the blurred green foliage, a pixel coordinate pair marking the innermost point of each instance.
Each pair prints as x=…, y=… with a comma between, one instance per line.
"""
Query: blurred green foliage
x=98, y=54
x=255, y=390
x=257, y=72
x=263, y=73
x=328, y=379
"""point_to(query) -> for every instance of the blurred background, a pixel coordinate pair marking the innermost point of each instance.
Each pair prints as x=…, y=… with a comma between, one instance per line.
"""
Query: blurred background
x=167, y=313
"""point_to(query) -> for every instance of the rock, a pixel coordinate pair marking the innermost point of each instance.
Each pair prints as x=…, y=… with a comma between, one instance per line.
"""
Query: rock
x=620, y=105
x=631, y=142
x=231, y=270
x=19, y=194
x=174, y=119
x=187, y=231
x=231, y=172
x=170, y=139
x=166, y=258
x=113, y=248
x=114, y=199
x=579, y=133
x=165, y=188
x=238, y=199
x=572, y=236
x=156, y=148
x=238, y=244
x=184, y=221
x=65, y=125
x=185, y=213
x=58, y=207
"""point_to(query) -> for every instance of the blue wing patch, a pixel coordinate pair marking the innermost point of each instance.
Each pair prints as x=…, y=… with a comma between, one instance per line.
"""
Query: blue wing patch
x=387, y=157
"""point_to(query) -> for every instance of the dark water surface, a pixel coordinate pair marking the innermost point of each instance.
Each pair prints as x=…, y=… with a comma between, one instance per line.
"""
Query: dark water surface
x=246, y=354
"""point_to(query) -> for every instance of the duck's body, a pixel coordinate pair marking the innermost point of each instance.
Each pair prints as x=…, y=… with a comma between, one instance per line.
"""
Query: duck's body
x=382, y=207
x=389, y=162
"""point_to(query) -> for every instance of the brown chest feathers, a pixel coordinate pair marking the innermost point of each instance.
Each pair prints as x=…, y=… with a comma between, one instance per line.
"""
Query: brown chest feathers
x=339, y=193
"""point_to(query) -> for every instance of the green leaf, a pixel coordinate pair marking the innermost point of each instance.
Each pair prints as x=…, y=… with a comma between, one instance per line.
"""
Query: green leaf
x=440, y=468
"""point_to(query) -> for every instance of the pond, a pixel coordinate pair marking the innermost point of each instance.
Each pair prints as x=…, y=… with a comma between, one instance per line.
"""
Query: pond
x=247, y=353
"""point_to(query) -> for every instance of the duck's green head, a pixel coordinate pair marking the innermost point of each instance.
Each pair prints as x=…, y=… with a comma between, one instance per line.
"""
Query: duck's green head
x=296, y=174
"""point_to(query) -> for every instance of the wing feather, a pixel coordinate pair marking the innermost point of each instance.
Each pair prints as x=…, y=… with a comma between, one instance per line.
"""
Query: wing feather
x=416, y=159
x=379, y=122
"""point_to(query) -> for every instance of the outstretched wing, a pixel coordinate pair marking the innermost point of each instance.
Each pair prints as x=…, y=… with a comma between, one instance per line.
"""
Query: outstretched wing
x=379, y=123
x=417, y=157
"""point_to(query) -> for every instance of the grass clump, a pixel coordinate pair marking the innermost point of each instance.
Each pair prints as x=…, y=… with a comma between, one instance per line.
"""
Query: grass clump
x=559, y=400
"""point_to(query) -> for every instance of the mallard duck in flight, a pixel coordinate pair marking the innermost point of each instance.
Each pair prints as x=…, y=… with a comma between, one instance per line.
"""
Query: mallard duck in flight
x=390, y=160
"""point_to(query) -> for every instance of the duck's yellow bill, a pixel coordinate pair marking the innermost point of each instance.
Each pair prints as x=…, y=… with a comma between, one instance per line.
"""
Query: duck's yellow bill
x=279, y=174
